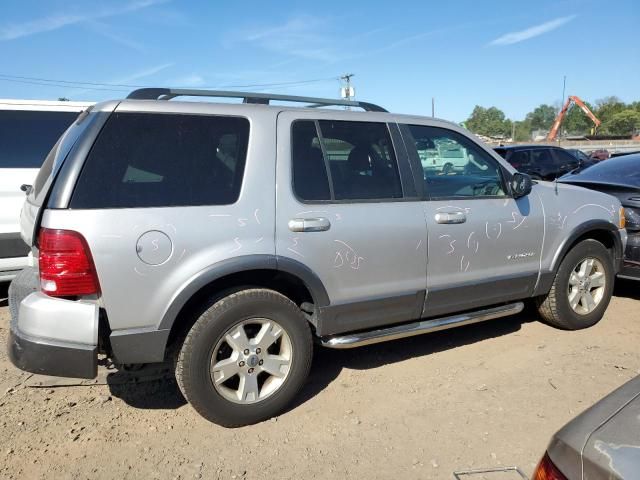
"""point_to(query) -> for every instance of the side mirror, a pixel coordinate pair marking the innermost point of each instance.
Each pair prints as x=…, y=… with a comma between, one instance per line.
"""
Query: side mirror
x=521, y=185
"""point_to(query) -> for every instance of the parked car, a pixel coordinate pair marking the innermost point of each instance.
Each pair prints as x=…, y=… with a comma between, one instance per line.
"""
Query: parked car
x=600, y=154
x=541, y=162
x=619, y=177
x=28, y=130
x=602, y=443
x=584, y=159
x=235, y=234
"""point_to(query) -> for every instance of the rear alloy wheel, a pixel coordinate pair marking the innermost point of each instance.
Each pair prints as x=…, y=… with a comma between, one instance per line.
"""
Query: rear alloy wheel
x=245, y=358
x=582, y=288
x=251, y=361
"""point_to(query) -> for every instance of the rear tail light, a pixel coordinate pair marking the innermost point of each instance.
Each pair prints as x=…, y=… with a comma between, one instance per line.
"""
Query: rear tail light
x=66, y=266
x=547, y=470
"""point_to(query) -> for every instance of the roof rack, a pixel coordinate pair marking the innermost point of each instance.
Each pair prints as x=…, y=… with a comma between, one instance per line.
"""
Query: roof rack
x=247, y=97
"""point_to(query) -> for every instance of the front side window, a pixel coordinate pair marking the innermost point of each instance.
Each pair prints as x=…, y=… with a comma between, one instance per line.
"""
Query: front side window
x=158, y=160
x=455, y=167
x=344, y=160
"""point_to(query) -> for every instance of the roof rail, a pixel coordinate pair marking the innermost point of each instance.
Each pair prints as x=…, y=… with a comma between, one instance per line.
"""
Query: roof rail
x=248, y=97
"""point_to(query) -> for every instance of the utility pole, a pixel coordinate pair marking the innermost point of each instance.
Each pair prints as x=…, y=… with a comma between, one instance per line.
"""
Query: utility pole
x=433, y=107
x=347, y=92
x=564, y=85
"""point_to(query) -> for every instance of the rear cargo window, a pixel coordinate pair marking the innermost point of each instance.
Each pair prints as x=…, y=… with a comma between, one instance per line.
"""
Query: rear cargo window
x=163, y=160
x=27, y=136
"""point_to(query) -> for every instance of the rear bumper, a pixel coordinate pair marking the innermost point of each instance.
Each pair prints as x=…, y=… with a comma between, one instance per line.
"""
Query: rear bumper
x=51, y=336
x=52, y=358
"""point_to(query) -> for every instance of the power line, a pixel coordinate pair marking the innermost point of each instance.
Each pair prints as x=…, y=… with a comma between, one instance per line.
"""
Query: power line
x=61, y=86
x=94, y=85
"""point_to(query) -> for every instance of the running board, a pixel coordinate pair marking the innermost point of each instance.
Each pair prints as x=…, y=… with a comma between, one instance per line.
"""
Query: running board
x=418, y=328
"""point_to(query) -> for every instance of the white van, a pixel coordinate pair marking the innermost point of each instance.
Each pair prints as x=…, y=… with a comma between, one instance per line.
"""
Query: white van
x=28, y=131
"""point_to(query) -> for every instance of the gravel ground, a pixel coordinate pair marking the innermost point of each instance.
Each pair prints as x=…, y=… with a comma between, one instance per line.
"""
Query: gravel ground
x=479, y=396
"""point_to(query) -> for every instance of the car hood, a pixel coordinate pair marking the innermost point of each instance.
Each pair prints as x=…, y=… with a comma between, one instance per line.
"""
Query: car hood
x=604, y=441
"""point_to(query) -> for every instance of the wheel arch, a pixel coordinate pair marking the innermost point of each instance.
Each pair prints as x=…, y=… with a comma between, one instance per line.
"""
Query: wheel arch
x=287, y=276
x=597, y=229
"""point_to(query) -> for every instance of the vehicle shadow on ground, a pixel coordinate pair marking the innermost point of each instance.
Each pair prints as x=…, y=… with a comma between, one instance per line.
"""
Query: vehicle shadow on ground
x=328, y=363
x=627, y=288
x=4, y=294
x=163, y=393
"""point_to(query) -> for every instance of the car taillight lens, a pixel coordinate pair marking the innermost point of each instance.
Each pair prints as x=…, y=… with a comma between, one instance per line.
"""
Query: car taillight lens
x=546, y=470
x=66, y=266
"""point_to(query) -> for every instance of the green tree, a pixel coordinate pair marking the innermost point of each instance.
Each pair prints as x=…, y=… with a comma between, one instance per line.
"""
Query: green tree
x=542, y=117
x=607, y=107
x=523, y=131
x=625, y=122
x=488, y=121
x=576, y=121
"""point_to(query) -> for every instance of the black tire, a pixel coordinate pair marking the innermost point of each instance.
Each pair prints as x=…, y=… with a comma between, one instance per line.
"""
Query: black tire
x=193, y=362
x=555, y=308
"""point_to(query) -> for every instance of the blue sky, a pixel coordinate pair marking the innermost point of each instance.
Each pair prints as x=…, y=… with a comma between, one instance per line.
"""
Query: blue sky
x=511, y=54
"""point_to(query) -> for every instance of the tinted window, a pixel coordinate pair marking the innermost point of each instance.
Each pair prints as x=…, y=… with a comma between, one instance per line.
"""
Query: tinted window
x=310, y=181
x=501, y=151
x=61, y=149
x=565, y=159
x=362, y=161
x=520, y=159
x=359, y=157
x=26, y=137
x=154, y=160
x=541, y=158
x=454, y=166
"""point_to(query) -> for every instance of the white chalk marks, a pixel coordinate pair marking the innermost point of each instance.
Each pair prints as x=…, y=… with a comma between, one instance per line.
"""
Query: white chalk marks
x=346, y=255
x=294, y=245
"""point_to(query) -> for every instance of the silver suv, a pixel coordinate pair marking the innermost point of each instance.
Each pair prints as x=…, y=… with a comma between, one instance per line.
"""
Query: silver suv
x=231, y=236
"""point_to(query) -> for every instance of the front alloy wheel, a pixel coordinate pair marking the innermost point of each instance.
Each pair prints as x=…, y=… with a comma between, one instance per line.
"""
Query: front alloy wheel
x=582, y=287
x=587, y=285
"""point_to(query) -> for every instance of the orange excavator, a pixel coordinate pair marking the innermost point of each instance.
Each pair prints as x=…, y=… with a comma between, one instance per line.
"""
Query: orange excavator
x=553, y=133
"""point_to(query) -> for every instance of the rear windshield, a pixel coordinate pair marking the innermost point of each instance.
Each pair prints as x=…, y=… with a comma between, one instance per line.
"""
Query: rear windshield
x=27, y=136
x=162, y=160
x=61, y=149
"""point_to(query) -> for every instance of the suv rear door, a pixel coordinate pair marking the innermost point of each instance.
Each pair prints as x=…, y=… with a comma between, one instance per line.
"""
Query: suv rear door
x=347, y=210
x=484, y=245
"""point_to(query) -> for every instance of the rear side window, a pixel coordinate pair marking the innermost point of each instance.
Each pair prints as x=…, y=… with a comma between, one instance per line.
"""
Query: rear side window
x=26, y=137
x=541, y=157
x=520, y=159
x=343, y=160
x=163, y=160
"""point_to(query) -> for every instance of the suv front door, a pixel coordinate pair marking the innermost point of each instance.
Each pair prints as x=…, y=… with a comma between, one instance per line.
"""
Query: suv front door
x=347, y=210
x=484, y=245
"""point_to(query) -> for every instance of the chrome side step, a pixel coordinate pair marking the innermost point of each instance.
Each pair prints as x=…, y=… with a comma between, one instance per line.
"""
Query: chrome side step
x=418, y=328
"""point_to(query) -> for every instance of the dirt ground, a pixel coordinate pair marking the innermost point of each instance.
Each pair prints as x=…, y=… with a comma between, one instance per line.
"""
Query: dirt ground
x=479, y=396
